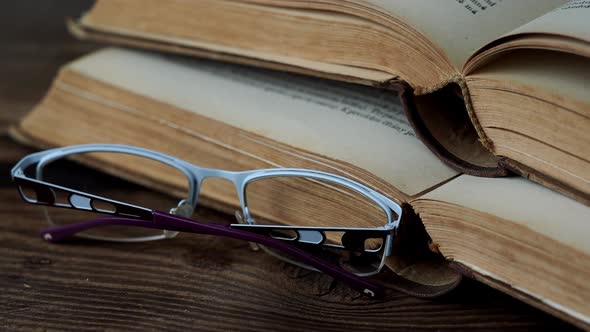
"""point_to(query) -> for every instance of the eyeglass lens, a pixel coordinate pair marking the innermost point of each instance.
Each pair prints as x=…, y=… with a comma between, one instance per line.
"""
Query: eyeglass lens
x=72, y=172
x=305, y=201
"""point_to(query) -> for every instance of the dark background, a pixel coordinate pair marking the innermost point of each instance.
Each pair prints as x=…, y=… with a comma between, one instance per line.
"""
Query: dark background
x=191, y=282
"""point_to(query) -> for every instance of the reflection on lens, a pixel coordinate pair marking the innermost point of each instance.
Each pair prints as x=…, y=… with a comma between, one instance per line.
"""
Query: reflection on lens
x=305, y=201
x=71, y=173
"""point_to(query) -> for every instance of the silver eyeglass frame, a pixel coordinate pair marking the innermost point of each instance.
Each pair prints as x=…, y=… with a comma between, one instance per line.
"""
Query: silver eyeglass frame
x=314, y=235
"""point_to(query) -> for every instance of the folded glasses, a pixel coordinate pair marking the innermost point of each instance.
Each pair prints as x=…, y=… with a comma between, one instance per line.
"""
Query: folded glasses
x=294, y=214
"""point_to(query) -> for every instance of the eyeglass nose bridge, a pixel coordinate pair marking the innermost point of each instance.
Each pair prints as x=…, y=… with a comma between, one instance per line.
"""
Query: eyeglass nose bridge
x=197, y=176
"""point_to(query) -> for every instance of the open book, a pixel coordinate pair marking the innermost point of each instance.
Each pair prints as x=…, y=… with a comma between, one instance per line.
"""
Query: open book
x=511, y=233
x=490, y=86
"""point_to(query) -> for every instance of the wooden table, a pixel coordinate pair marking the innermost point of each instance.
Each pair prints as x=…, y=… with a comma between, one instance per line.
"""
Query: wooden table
x=192, y=281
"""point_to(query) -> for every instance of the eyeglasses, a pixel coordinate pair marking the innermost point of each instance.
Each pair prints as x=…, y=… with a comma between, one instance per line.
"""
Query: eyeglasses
x=294, y=214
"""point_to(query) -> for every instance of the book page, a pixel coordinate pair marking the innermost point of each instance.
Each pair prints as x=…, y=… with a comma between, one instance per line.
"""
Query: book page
x=523, y=202
x=571, y=20
x=460, y=27
x=547, y=75
x=357, y=124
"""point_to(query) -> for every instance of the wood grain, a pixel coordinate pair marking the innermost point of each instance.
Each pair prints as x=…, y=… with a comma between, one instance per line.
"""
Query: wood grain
x=192, y=281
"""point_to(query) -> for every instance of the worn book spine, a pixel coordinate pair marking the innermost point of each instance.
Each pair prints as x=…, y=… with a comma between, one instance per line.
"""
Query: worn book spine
x=408, y=101
x=504, y=166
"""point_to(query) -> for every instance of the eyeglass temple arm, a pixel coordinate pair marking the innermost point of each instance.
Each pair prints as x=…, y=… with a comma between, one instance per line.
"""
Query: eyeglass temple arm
x=167, y=221
x=46, y=194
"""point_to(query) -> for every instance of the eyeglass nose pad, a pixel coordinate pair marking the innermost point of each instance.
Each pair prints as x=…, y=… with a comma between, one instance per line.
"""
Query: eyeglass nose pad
x=240, y=219
x=184, y=210
x=169, y=234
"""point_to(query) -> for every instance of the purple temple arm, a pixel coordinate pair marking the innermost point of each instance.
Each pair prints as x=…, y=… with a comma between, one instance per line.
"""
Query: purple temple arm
x=167, y=221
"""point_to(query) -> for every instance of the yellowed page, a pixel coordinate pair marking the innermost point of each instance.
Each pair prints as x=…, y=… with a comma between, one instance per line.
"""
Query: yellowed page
x=571, y=20
x=535, y=105
x=545, y=74
x=460, y=27
x=523, y=202
x=357, y=124
x=540, y=247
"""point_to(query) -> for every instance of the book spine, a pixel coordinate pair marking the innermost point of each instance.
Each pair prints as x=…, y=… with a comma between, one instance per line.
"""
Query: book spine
x=445, y=108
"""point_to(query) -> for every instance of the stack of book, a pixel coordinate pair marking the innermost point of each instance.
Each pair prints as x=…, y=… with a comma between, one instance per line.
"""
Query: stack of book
x=433, y=105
